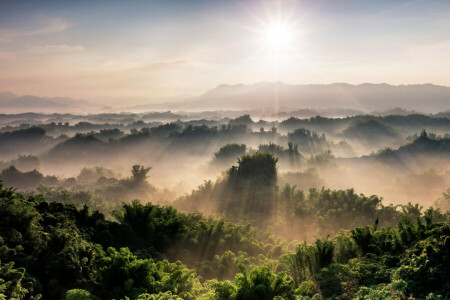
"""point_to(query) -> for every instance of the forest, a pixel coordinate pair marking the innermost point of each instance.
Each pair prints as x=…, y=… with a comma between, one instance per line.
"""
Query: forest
x=225, y=150
x=224, y=205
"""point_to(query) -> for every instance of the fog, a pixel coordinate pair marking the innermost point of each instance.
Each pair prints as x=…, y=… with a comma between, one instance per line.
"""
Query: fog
x=399, y=159
x=224, y=150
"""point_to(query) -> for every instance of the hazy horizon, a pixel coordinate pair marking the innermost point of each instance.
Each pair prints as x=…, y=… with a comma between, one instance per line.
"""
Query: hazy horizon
x=151, y=51
x=269, y=96
x=176, y=98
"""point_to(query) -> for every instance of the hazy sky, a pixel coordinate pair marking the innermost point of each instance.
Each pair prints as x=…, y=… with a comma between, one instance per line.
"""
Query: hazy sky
x=147, y=50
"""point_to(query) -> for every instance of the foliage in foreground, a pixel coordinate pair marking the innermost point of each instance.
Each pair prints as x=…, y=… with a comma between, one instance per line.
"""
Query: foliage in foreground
x=54, y=251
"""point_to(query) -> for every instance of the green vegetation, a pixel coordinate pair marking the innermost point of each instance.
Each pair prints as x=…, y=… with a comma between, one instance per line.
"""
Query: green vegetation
x=229, y=153
x=443, y=202
x=249, y=192
x=52, y=251
x=370, y=131
x=290, y=156
x=278, y=223
x=307, y=140
x=96, y=187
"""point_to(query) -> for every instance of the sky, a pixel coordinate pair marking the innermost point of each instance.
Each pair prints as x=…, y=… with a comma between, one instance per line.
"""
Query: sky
x=136, y=52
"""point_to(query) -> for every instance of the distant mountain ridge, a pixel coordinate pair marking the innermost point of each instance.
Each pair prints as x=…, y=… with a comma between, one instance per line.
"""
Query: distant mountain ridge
x=12, y=103
x=271, y=96
x=365, y=97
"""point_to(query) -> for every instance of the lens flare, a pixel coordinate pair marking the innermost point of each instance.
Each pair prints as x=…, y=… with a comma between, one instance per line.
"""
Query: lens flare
x=278, y=37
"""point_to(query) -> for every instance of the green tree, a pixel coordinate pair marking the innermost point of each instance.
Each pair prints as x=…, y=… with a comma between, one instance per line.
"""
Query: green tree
x=139, y=173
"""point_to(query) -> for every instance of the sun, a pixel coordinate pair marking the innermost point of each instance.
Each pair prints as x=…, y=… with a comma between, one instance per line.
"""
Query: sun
x=278, y=37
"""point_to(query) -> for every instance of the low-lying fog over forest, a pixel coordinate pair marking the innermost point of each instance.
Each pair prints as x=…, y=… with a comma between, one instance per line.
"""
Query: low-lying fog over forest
x=398, y=155
x=274, y=178
x=224, y=150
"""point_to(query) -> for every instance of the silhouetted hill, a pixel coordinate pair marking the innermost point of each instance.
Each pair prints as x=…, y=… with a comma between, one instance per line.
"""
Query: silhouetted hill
x=81, y=145
x=371, y=130
x=410, y=154
x=444, y=114
x=426, y=145
x=398, y=111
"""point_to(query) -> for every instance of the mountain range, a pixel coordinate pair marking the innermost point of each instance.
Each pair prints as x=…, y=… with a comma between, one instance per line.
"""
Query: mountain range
x=12, y=103
x=277, y=96
x=272, y=96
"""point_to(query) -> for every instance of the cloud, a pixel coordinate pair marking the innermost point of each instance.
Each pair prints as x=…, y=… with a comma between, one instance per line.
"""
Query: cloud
x=56, y=49
x=49, y=26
